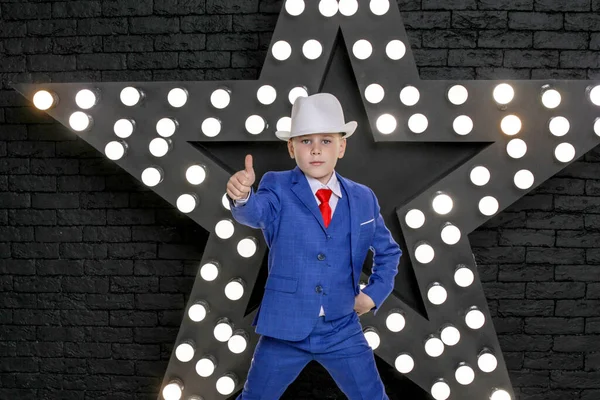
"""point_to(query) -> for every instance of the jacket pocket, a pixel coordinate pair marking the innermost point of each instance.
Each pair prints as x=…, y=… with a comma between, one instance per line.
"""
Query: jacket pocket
x=282, y=283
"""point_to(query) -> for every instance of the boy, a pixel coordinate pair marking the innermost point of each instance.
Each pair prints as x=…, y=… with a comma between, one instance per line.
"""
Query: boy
x=312, y=298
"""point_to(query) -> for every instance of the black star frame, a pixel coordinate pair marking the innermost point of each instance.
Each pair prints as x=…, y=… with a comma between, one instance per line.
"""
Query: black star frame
x=442, y=156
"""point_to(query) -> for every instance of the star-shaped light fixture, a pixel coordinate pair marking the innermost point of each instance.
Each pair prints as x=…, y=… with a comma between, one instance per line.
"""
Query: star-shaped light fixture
x=532, y=129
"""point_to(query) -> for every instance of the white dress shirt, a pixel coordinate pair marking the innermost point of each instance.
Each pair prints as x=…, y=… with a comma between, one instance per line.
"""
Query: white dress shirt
x=315, y=184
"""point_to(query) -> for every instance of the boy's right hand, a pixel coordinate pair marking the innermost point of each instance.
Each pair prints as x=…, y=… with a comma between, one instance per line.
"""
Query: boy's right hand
x=240, y=183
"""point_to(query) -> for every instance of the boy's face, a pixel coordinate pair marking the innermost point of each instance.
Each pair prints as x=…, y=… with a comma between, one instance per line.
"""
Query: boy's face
x=325, y=148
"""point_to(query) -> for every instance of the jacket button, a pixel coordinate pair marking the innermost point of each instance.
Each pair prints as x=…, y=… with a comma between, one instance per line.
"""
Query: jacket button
x=321, y=256
x=319, y=289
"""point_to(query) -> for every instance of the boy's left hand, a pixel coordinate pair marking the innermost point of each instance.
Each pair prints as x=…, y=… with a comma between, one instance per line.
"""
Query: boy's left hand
x=363, y=303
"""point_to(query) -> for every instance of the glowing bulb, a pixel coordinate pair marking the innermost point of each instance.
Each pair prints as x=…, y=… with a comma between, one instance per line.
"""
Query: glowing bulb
x=225, y=385
x=312, y=49
x=328, y=8
x=372, y=338
x=386, y=124
x=151, y=176
x=166, y=127
x=205, y=367
x=158, y=147
x=224, y=229
x=211, y=127
x=195, y=174
x=559, y=126
x=437, y=294
x=281, y=50
x=44, y=100
x=297, y=92
x=186, y=203
x=409, y=96
x=500, y=394
x=450, y=335
x=222, y=331
x=458, y=95
x=424, y=253
x=415, y=218
x=450, y=234
x=551, y=98
x=480, y=176
x=80, y=121
x=395, y=49
x=597, y=127
x=237, y=343
x=516, y=148
x=462, y=125
x=374, y=93
x=464, y=374
x=209, y=272
x=255, y=124
x=123, y=128
x=595, y=95
x=234, y=290
x=197, y=312
x=172, y=391
x=294, y=7
x=564, y=152
x=362, y=49
x=442, y=204
x=130, y=96
x=86, y=99
x=395, y=322
x=184, y=352
x=434, y=347
x=266, y=94
x=511, y=125
x=404, y=363
x=177, y=97
x=523, y=179
x=114, y=150
x=379, y=7
x=475, y=319
x=417, y=123
x=488, y=205
x=503, y=93
x=487, y=362
x=348, y=7
x=440, y=390
x=220, y=98
x=246, y=247
x=284, y=124
x=463, y=276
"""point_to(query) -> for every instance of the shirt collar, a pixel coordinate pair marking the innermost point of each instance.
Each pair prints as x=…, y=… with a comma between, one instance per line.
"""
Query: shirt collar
x=333, y=184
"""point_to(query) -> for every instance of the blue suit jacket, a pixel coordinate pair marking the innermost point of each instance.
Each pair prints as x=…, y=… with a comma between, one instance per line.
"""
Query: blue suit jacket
x=286, y=211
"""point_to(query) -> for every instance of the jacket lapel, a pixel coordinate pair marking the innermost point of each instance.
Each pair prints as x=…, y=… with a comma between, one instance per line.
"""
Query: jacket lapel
x=353, y=202
x=302, y=190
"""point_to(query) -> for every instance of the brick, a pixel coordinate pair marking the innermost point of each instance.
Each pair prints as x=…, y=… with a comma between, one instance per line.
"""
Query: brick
x=110, y=301
x=577, y=239
x=548, y=360
x=449, y=73
x=17, y=300
x=37, y=317
x=153, y=335
x=543, y=202
x=153, y=24
x=535, y=21
x=492, y=255
x=504, y=39
x=134, y=285
x=80, y=183
x=83, y=317
x=62, y=365
x=526, y=237
x=582, y=22
x=159, y=301
x=76, y=45
x=152, y=60
x=23, y=10
x=205, y=59
x=35, y=250
x=510, y=5
x=129, y=43
x=76, y=9
x=507, y=220
x=530, y=378
x=16, y=234
x=103, y=61
x=560, y=40
x=525, y=342
x=553, y=325
x=104, y=200
x=158, y=268
x=592, y=325
x=107, y=234
x=593, y=291
x=220, y=7
x=87, y=350
x=20, y=46
x=113, y=367
x=584, y=204
x=32, y=217
x=54, y=166
x=58, y=234
x=180, y=42
x=575, y=379
x=52, y=28
x=231, y=41
x=207, y=23
x=13, y=29
x=498, y=290
x=592, y=187
x=531, y=58
x=132, y=250
x=54, y=200
x=526, y=308
x=102, y=26
x=555, y=290
x=50, y=62
x=63, y=301
x=15, y=200
x=133, y=318
x=595, y=41
x=475, y=58
x=449, y=38
x=577, y=308
x=426, y=20
x=37, y=284
x=577, y=273
x=83, y=250
x=592, y=361
x=14, y=166
x=178, y=7
x=555, y=255
x=135, y=351
x=120, y=8
x=17, y=267
x=254, y=22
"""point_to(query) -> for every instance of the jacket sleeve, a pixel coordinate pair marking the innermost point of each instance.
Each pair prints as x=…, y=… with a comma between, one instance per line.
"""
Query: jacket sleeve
x=262, y=207
x=386, y=256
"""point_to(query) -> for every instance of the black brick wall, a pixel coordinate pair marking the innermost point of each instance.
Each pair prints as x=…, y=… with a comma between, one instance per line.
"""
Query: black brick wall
x=95, y=269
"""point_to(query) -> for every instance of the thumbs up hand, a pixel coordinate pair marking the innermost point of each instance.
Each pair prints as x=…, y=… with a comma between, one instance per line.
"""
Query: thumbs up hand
x=240, y=183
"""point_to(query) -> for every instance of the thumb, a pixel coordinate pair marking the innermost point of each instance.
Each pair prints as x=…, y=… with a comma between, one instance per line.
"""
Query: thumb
x=248, y=164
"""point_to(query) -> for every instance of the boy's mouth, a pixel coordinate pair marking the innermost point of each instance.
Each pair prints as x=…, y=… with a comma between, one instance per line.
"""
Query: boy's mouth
x=316, y=162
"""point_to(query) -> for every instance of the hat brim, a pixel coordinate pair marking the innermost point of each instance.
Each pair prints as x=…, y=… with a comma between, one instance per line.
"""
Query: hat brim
x=348, y=129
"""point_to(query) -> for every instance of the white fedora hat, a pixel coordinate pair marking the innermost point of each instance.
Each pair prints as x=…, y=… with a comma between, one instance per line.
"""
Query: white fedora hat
x=319, y=113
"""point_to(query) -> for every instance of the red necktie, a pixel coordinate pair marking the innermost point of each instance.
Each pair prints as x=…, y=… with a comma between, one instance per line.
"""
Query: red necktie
x=323, y=195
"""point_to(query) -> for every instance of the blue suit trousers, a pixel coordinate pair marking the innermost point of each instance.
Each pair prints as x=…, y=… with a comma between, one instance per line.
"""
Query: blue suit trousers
x=339, y=345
